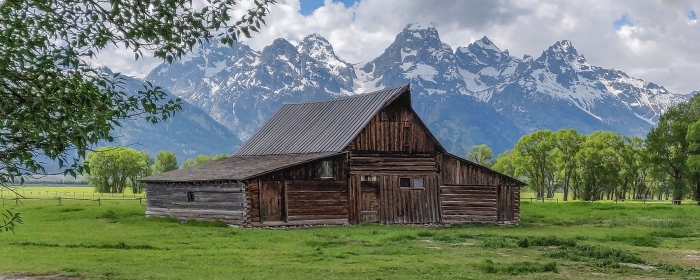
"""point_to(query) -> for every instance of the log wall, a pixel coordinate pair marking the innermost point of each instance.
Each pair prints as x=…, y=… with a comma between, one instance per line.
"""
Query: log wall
x=461, y=204
x=213, y=201
x=317, y=200
x=473, y=193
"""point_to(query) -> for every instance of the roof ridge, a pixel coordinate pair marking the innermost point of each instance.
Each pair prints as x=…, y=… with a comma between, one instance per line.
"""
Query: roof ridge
x=347, y=97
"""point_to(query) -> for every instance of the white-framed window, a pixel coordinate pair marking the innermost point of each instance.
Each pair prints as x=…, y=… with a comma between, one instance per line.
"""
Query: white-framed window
x=327, y=169
x=368, y=178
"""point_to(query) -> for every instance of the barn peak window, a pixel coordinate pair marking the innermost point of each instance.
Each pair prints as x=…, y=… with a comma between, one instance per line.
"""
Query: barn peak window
x=190, y=196
x=327, y=169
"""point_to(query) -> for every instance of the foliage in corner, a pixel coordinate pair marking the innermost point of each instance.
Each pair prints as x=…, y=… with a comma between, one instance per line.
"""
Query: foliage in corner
x=56, y=105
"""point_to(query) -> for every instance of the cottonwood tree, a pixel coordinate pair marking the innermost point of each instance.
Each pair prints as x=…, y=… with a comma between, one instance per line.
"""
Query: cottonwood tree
x=165, y=161
x=668, y=145
x=480, y=154
x=55, y=104
x=533, y=160
x=201, y=159
x=567, y=144
x=112, y=170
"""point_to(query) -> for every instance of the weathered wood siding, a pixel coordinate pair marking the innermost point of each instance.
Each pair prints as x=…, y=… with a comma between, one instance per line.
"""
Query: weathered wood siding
x=473, y=193
x=396, y=128
x=399, y=205
x=394, y=163
x=317, y=200
x=213, y=201
x=460, y=203
x=305, y=197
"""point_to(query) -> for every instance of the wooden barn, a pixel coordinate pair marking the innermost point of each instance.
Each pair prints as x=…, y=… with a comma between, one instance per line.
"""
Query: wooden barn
x=363, y=158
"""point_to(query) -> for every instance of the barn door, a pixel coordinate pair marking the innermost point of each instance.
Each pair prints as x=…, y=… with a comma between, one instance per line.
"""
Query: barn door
x=369, y=202
x=506, y=208
x=271, y=201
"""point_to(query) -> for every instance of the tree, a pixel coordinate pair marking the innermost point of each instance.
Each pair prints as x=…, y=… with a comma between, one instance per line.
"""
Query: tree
x=165, y=161
x=504, y=163
x=55, y=104
x=599, y=164
x=567, y=143
x=668, y=145
x=532, y=155
x=202, y=159
x=112, y=170
x=480, y=154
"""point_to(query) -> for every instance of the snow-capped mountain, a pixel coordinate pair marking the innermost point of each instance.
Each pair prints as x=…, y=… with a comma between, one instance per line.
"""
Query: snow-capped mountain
x=475, y=94
x=189, y=133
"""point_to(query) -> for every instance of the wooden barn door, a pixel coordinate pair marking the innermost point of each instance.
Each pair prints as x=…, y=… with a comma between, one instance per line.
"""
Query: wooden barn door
x=506, y=205
x=271, y=201
x=369, y=201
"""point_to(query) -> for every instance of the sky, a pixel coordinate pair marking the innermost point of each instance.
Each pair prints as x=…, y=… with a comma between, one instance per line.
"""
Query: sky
x=654, y=40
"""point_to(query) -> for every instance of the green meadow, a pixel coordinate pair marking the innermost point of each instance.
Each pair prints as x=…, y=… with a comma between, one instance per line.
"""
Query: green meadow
x=573, y=240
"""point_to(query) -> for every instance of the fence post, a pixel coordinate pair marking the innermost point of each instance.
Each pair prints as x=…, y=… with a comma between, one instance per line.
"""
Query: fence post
x=98, y=202
x=140, y=201
x=59, y=201
x=3, y=202
x=16, y=200
x=557, y=200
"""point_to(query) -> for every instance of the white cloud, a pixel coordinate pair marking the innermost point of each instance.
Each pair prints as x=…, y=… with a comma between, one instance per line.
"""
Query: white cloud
x=660, y=47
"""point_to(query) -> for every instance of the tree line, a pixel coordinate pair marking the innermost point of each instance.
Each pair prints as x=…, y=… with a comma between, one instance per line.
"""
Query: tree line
x=114, y=169
x=606, y=165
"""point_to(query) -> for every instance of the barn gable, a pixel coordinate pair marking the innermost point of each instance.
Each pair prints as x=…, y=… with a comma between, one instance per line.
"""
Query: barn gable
x=325, y=126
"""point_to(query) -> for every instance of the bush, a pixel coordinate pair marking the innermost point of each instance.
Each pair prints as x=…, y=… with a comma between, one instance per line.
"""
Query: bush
x=516, y=268
x=545, y=241
x=598, y=255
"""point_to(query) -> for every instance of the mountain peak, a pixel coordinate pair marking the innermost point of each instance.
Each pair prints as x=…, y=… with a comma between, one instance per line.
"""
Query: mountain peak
x=315, y=45
x=419, y=31
x=485, y=44
x=563, y=47
x=419, y=26
x=562, y=50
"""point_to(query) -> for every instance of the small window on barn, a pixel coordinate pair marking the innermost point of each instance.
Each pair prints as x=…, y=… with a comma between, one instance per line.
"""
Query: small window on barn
x=327, y=169
x=190, y=196
x=417, y=183
x=404, y=182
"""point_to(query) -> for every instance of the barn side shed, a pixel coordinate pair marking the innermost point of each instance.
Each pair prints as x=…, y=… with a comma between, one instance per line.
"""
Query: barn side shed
x=363, y=158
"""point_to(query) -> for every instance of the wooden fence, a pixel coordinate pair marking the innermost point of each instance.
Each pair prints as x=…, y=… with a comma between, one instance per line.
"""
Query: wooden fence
x=99, y=200
x=644, y=201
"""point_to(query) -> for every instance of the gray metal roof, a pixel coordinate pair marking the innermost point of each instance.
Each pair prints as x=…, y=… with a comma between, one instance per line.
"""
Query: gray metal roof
x=236, y=168
x=323, y=126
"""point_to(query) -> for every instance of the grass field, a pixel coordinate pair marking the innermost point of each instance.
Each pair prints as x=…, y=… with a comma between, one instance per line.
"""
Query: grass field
x=578, y=240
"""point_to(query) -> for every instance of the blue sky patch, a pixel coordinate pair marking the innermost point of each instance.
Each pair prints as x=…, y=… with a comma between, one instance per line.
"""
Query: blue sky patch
x=692, y=15
x=309, y=6
x=624, y=20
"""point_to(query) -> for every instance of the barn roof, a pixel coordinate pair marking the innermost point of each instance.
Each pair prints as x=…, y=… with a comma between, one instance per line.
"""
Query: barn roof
x=322, y=126
x=236, y=168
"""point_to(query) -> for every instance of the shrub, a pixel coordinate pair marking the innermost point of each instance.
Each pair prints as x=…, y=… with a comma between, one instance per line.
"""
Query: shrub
x=516, y=268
